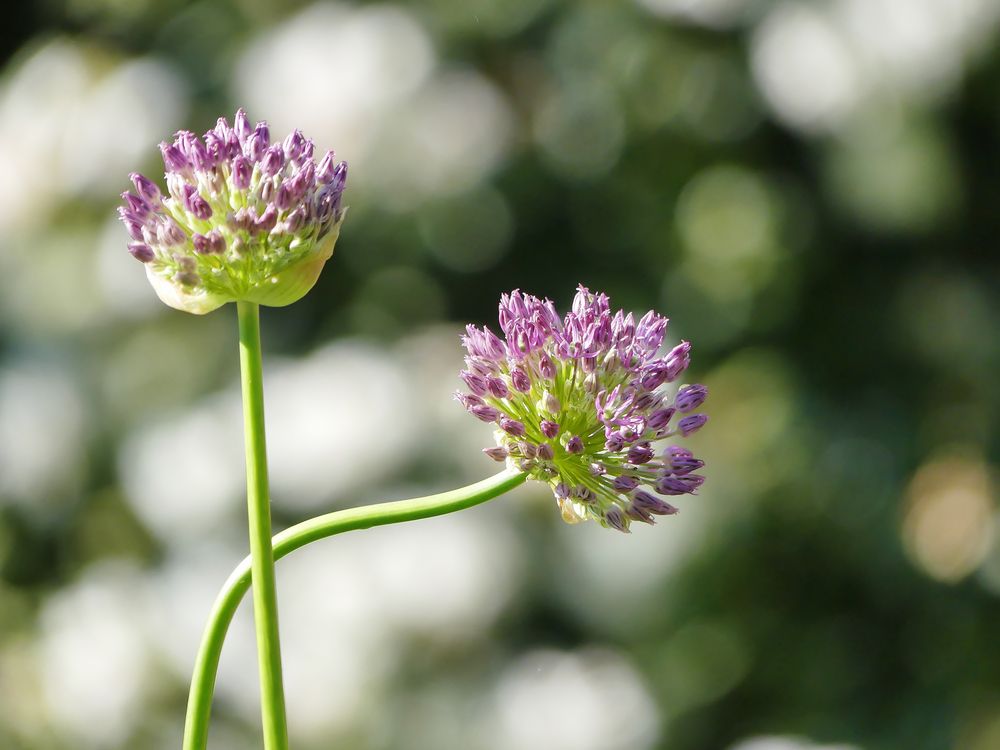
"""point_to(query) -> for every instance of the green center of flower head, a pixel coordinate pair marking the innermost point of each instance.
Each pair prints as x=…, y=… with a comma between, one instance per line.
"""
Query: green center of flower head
x=243, y=219
x=579, y=402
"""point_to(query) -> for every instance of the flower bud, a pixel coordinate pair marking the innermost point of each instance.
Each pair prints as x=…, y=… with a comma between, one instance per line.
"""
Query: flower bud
x=512, y=426
x=141, y=251
x=639, y=454
x=549, y=403
x=145, y=187
x=691, y=423
x=498, y=388
x=690, y=397
x=549, y=428
x=520, y=380
x=497, y=454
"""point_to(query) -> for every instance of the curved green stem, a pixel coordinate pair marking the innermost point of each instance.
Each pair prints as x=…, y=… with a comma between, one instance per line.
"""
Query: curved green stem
x=265, y=599
x=207, y=662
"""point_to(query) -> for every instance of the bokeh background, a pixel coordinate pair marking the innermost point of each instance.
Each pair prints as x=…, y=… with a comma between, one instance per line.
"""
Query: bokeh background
x=808, y=189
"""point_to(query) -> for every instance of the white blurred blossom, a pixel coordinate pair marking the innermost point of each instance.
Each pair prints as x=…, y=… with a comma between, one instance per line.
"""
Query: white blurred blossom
x=588, y=700
x=94, y=660
x=819, y=64
x=366, y=81
x=42, y=432
x=67, y=110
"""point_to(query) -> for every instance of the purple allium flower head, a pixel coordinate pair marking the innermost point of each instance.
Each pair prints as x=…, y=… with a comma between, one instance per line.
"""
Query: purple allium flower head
x=241, y=219
x=584, y=399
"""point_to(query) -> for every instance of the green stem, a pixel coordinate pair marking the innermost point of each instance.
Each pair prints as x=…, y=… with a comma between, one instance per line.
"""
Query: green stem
x=365, y=517
x=265, y=600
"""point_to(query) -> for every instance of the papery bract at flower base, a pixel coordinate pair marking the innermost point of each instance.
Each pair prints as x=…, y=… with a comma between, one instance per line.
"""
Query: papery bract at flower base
x=242, y=219
x=580, y=403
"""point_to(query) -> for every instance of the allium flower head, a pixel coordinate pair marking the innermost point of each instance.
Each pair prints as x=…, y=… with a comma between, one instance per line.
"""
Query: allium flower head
x=242, y=219
x=583, y=403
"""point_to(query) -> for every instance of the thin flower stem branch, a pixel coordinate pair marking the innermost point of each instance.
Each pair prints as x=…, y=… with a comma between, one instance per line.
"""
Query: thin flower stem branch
x=226, y=603
x=265, y=601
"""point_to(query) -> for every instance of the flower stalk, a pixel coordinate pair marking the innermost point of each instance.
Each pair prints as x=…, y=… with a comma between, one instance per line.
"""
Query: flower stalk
x=226, y=603
x=265, y=604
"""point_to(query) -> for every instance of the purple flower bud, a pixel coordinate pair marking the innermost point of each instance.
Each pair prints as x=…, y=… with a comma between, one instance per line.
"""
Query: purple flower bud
x=169, y=234
x=691, y=423
x=483, y=343
x=145, y=187
x=638, y=514
x=497, y=454
x=659, y=419
x=690, y=397
x=339, y=178
x=296, y=220
x=173, y=159
x=222, y=129
x=549, y=403
x=241, y=126
x=684, y=464
x=293, y=144
x=327, y=204
x=615, y=519
x=476, y=383
x=574, y=445
x=498, y=388
x=200, y=207
x=614, y=442
x=561, y=491
x=546, y=367
x=545, y=452
x=652, y=504
x=677, y=360
x=201, y=243
x=272, y=162
x=284, y=198
x=133, y=227
x=653, y=375
x=141, y=251
x=325, y=171
x=646, y=401
x=242, y=172
x=512, y=426
x=684, y=485
x=639, y=454
x=549, y=428
x=484, y=413
x=625, y=483
x=520, y=380
x=266, y=221
x=306, y=151
x=598, y=469
x=528, y=450
x=216, y=242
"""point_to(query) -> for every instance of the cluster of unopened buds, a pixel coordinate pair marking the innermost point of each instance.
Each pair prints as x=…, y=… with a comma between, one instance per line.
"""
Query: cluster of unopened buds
x=580, y=402
x=243, y=219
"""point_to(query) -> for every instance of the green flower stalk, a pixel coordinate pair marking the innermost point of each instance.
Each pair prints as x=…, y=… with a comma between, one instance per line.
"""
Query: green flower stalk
x=247, y=221
x=365, y=517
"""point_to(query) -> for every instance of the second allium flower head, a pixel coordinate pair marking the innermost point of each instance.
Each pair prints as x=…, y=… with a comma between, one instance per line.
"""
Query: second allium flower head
x=243, y=219
x=580, y=402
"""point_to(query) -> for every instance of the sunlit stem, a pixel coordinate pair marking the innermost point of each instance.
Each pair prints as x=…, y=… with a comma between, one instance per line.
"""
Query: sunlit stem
x=265, y=601
x=226, y=603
